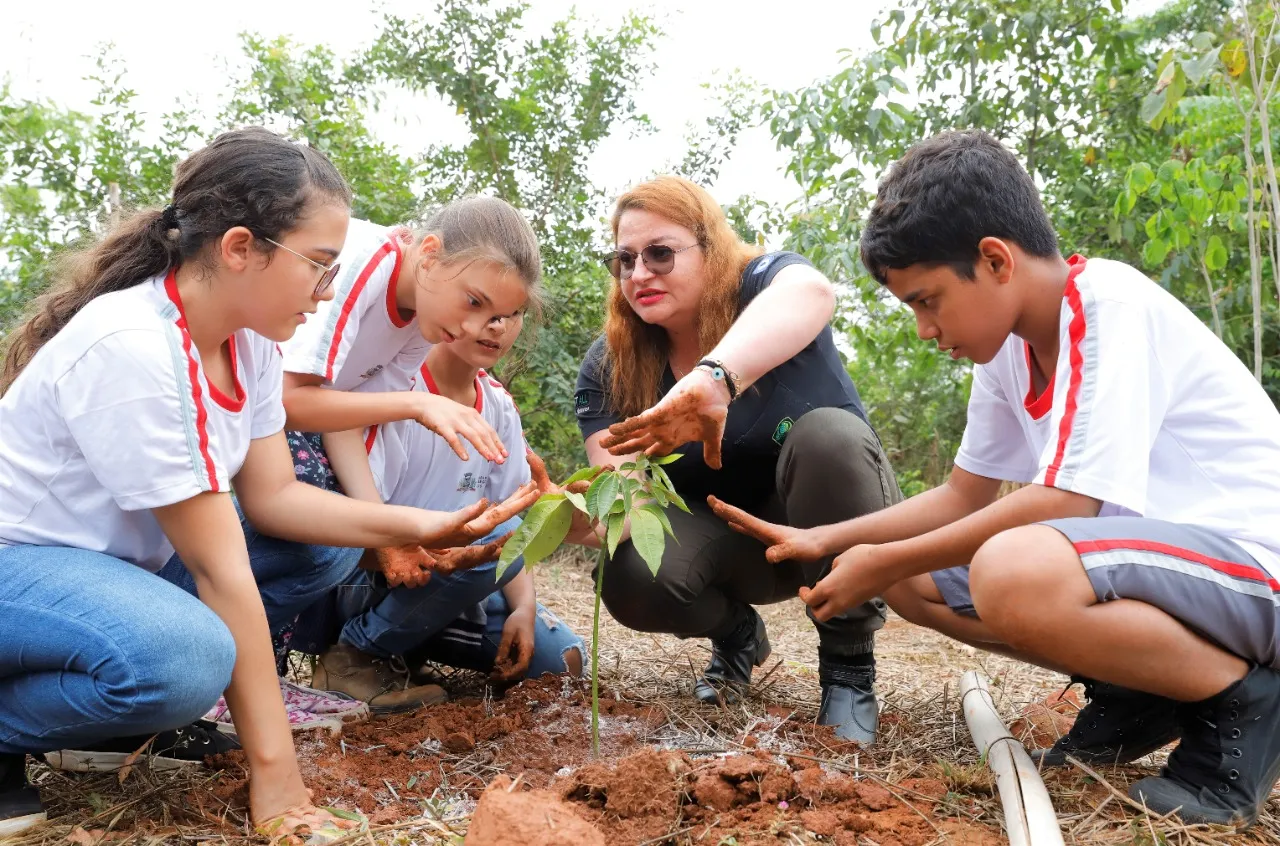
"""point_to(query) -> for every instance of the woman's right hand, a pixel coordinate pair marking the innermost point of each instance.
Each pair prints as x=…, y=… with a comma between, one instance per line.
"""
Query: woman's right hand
x=785, y=543
x=444, y=529
x=454, y=421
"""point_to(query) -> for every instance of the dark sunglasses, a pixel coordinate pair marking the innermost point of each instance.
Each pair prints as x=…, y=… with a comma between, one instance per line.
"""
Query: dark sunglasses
x=659, y=258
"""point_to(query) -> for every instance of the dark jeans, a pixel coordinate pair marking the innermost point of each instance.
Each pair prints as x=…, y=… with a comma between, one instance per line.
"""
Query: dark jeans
x=832, y=468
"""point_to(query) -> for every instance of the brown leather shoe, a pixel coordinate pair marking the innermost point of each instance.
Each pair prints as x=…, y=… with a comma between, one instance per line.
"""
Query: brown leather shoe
x=383, y=683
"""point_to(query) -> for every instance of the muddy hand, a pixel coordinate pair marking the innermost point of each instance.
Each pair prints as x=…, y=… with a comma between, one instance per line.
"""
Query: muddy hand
x=484, y=524
x=694, y=410
x=404, y=566
x=538, y=470
x=784, y=542
x=461, y=558
x=514, y=652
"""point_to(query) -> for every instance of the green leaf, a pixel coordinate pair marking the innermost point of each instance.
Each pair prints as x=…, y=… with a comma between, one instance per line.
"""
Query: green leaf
x=678, y=501
x=579, y=501
x=1152, y=106
x=1170, y=170
x=1202, y=40
x=1154, y=252
x=646, y=535
x=662, y=518
x=1215, y=254
x=543, y=530
x=1199, y=69
x=1140, y=177
x=607, y=495
x=667, y=459
x=584, y=473
x=1211, y=180
x=660, y=494
x=617, y=522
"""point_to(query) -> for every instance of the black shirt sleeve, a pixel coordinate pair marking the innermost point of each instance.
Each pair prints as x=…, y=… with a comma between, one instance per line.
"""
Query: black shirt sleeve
x=591, y=403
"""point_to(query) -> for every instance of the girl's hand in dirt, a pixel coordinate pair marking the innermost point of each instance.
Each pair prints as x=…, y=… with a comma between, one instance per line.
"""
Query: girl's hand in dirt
x=856, y=576
x=307, y=824
x=404, y=566
x=694, y=410
x=516, y=649
x=784, y=542
x=446, y=561
x=444, y=529
x=454, y=421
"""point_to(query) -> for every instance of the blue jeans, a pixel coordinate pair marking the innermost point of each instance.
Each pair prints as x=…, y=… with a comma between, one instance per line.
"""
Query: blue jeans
x=383, y=621
x=93, y=648
x=290, y=575
x=474, y=646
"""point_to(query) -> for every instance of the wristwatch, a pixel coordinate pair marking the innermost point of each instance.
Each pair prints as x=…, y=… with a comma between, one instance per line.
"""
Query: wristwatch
x=721, y=374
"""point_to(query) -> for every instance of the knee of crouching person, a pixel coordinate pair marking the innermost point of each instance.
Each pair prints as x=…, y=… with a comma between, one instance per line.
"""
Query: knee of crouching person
x=1003, y=584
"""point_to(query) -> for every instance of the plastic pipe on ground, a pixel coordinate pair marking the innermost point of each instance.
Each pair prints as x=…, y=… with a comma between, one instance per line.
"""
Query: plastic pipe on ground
x=1029, y=816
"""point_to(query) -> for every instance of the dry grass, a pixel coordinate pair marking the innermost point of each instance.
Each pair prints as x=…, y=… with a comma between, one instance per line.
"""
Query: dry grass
x=923, y=735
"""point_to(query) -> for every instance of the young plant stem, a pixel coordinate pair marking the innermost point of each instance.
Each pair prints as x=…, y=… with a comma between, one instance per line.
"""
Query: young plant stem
x=595, y=654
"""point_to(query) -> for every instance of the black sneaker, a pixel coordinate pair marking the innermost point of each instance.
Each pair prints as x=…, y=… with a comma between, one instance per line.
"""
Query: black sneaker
x=1229, y=758
x=728, y=676
x=1117, y=726
x=182, y=748
x=849, y=700
x=20, y=805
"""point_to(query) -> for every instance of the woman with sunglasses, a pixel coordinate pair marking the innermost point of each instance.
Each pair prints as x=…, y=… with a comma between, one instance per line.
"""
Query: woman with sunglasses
x=142, y=389
x=708, y=341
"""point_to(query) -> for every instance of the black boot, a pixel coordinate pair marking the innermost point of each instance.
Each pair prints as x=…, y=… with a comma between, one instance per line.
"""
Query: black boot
x=1116, y=726
x=1229, y=758
x=728, y=676
x=183, y=748
x=849, y=697
x=20, y=805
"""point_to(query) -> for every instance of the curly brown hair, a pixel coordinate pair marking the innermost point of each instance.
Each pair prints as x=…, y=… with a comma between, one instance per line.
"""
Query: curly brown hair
x=636, y=377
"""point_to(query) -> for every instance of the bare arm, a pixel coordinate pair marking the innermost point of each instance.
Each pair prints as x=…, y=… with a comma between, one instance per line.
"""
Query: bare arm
x=519, y=592
x=206, y=533
x=781, y=321
x=280, y=506
x=350, y=463
x=311, y=407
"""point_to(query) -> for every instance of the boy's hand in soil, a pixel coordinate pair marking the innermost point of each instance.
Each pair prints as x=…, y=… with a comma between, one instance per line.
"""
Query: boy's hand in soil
x=463, y=527
x=446, y=561
x=516, y=649
x=784, y=543
x=856, y=576
x=454, y=421
x=404, y=566
x=694, y=410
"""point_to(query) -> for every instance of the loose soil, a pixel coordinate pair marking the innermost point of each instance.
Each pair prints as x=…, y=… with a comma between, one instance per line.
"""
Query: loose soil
x=538, y=734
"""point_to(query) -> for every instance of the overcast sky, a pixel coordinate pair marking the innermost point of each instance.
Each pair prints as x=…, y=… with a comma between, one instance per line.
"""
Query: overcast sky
x=171, y=53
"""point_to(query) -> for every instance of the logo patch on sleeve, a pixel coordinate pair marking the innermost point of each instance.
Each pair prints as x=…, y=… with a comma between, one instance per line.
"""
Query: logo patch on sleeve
x=780, y=433
x=581, y=402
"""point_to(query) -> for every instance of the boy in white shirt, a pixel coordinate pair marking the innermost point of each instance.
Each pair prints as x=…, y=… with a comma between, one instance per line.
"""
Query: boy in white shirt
x=1143, y=555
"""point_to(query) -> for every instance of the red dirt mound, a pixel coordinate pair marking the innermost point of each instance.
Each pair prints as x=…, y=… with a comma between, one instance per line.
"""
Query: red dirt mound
x=507, y=816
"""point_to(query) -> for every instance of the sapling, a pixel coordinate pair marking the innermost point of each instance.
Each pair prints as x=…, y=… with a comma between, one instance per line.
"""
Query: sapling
x=638, y=492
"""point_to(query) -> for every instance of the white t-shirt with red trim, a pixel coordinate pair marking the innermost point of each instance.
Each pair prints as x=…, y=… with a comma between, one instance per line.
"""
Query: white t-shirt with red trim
x=1147, y=411
x=360, y=333
x=114, y=417
x=414, y=466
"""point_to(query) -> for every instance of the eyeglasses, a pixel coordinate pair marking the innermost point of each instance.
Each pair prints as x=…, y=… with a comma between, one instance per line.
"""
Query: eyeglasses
x=326, y=278
x=659, y=258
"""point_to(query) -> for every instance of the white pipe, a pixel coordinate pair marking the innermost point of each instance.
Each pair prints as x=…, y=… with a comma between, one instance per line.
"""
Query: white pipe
x=1029, y=816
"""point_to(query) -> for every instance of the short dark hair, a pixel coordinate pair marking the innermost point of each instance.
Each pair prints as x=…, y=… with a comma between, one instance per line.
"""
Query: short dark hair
x=947, y=194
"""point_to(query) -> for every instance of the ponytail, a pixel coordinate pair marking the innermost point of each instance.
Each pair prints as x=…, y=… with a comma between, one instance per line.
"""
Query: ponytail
x=248, y=177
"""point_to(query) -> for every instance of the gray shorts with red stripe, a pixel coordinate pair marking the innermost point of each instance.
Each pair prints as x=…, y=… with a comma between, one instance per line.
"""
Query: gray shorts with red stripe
x=1206, y=581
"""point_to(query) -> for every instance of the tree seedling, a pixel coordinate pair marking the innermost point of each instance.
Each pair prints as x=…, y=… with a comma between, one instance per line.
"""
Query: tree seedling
x=638, y=493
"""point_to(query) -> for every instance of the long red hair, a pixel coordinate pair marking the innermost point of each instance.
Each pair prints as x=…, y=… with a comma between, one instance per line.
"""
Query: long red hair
x=637, y=351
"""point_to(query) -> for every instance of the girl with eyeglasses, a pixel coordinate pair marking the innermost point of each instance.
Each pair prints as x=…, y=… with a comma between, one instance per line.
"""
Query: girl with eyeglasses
x=725, y=355
x=142, y=390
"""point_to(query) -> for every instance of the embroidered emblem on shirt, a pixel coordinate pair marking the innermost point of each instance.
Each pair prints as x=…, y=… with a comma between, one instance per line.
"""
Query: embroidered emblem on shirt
x=780, y=433
x=371, y=371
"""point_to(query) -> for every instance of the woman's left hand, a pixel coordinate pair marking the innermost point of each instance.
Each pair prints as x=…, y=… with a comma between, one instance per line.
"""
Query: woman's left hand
x=694, y=410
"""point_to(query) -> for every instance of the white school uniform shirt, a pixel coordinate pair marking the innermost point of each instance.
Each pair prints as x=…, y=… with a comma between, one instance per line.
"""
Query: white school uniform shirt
x=414, y=466
x=359, y=334
x=114, y=416
x=1147, y=411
